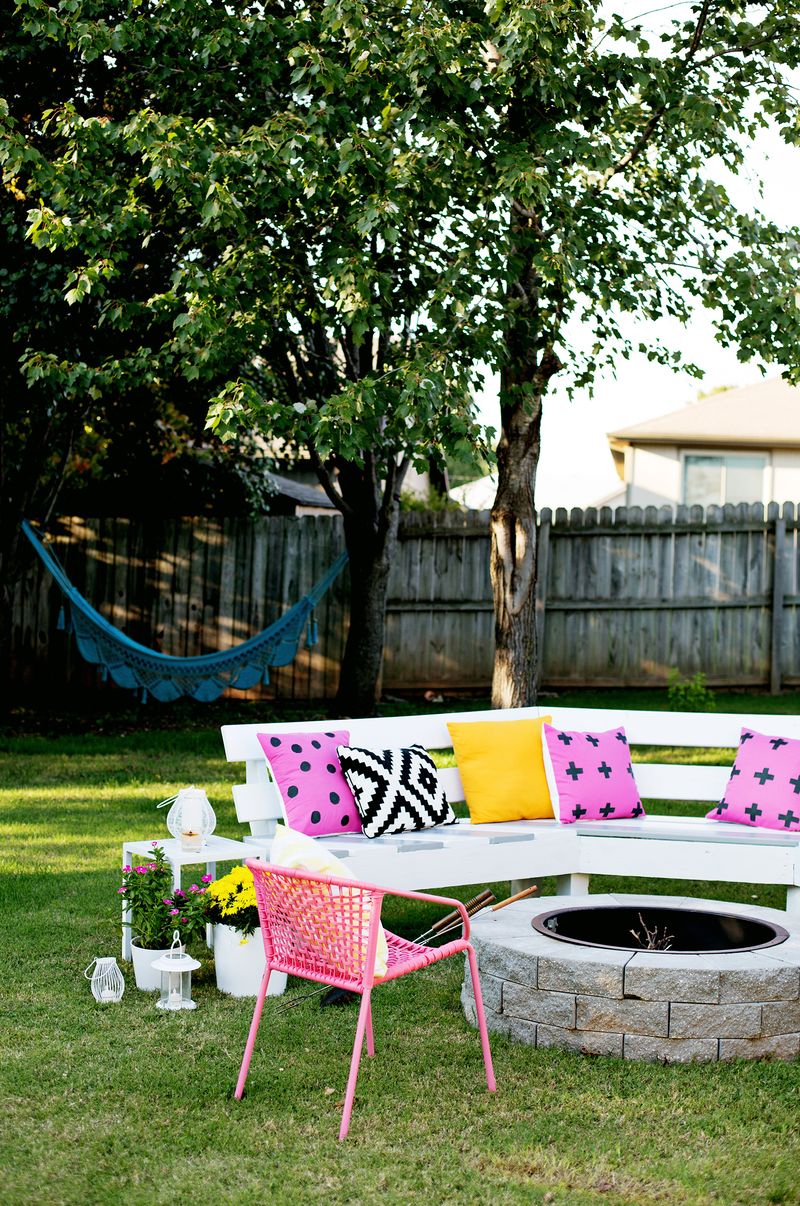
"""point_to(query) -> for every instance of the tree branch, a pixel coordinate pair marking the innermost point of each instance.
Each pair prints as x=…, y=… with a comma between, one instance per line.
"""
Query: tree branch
x=395, y=476
x=326, y=481
x=698, y=30
x=655, y=119
x=524, y=212
x=748, y=49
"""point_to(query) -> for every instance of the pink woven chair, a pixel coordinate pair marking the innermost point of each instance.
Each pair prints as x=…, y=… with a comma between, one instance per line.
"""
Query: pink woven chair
x=325, y=928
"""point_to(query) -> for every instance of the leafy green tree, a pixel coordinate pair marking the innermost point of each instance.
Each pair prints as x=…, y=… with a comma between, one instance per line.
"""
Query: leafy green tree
x=64, y=440
x=40, y=426
x=323, y=218
x=610, y=154
x=359, y=203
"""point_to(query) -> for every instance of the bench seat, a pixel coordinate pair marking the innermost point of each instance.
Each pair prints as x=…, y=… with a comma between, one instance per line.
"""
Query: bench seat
x=653, y=847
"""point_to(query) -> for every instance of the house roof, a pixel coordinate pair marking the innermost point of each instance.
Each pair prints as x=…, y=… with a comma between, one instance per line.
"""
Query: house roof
x=766, y=415
x=298, y=492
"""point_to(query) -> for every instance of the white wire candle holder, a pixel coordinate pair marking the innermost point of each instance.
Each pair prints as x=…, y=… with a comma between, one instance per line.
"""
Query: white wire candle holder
x=107, y=981
x=191, y=818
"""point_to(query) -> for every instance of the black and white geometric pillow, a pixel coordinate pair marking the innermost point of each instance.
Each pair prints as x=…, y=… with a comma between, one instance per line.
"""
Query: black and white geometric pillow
x=396, y=790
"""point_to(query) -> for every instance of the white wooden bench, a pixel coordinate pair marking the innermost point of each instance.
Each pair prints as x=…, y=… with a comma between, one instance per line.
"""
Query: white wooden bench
x=653, y=847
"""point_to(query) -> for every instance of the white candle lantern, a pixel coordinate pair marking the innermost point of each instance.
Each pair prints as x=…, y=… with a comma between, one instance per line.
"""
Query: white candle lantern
x=191, y=818
x=108, y=983
x=175, y=969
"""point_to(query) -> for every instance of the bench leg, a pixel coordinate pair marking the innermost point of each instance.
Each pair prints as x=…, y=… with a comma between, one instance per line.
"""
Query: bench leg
x=793, y=901
x=572, y=885
x=519, y=885
x=211, y=869
x=126, y=917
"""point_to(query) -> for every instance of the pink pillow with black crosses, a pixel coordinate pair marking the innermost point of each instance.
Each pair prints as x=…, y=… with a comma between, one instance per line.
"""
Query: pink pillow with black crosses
x=590, y=775
x=315, y=796
x=764, y=787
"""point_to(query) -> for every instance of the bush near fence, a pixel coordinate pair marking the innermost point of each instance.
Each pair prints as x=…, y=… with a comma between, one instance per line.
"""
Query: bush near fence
x=624, y=596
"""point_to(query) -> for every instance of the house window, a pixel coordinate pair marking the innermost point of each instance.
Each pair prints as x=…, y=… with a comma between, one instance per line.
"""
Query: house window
x=715, y=479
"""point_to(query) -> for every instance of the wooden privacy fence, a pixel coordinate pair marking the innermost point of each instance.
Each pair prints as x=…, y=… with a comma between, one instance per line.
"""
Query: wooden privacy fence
x=630, y=594
x=624, y=596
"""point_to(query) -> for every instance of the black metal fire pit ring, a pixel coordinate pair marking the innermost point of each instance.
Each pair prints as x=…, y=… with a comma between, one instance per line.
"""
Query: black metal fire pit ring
x=540, y=924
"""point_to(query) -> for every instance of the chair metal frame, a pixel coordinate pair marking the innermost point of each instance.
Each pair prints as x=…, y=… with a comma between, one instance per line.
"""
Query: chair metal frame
x=326, y=928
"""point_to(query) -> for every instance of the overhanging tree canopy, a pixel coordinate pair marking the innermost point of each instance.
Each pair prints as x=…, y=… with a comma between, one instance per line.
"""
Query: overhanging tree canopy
x=314, y=171
x=365, y=200
x=611, y=155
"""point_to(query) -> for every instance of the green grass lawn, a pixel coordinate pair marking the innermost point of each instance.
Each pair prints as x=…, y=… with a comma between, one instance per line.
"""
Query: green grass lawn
x=121, y=1104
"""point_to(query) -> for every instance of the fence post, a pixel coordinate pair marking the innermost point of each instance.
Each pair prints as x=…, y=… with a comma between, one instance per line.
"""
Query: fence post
x=777, y=605
x=542, y=567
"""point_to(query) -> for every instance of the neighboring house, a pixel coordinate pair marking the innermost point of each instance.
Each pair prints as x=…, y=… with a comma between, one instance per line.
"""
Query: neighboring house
x=477, y=495
x=293, y=497
x=559, y=488
x=740, y=445
x=296, y=491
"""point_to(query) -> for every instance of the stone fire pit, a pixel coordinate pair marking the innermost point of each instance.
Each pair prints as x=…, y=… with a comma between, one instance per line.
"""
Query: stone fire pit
x=670, y=1006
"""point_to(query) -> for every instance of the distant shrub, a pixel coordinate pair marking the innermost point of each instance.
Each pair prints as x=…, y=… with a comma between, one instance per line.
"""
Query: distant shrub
x=689, y=694
x=434, y=501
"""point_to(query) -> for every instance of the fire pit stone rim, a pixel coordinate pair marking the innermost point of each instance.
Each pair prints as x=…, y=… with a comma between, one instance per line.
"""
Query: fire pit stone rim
x=606, y=984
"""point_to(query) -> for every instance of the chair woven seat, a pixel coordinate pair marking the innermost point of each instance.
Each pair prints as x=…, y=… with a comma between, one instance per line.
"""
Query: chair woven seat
x=406, y=956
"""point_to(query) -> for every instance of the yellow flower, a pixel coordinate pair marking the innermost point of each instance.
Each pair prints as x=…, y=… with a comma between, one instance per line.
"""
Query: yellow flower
x=234, y=895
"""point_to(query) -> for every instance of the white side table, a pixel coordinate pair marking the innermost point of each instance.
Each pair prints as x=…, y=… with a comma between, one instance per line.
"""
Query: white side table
x=214, y=849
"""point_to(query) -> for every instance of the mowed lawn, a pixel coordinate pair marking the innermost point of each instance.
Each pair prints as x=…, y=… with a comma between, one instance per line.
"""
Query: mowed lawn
x=121, y=1104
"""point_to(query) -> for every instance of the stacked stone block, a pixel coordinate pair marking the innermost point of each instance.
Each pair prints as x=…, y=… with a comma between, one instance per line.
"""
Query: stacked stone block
x=648, y=1005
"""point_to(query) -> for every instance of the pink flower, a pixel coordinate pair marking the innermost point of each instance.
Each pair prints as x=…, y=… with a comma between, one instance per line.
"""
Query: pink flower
x=127, y=867
x=179, y=892
x=154, y=843
x=166, y=900
x=141, y=870
x=151, y=867
x=207, y=879
x=121, y=891
x=183, y=919
x=194, y=888
x=174, y=912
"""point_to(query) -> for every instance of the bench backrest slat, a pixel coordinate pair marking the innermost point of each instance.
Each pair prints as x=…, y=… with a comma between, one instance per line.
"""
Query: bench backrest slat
x=257, y=801
x=241, y=742
x=698, y=729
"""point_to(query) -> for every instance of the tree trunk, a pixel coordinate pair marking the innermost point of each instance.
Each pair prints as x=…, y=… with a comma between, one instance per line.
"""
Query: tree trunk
x=529, y=365
x=514, y=557
x=371, y=522
x=360, y=673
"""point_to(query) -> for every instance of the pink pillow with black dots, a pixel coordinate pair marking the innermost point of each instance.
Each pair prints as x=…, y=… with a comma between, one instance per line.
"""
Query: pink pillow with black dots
x=315, y=796
x=590, y=775
x=764, y=787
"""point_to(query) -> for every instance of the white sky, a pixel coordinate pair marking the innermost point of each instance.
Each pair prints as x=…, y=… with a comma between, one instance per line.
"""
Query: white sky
x=575, y=467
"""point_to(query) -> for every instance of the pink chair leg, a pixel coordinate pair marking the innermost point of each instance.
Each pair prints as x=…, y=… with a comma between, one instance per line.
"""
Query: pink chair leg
x=251, y=1038
x=487, y=1054
x=363, y=1016
x=370, y=1038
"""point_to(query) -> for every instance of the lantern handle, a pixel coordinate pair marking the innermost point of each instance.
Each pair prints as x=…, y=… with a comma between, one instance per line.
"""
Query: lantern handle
x=169, y=800
x=89, y=968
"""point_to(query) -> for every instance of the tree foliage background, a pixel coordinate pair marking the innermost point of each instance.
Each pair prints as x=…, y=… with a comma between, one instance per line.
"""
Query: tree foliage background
x=327, y=215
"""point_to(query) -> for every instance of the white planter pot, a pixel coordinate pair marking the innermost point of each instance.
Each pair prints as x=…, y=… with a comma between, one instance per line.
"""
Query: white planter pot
x=146, y=979
x=240, y=963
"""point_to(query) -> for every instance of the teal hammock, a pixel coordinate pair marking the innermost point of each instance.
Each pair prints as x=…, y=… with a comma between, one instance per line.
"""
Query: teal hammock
x=166, y=677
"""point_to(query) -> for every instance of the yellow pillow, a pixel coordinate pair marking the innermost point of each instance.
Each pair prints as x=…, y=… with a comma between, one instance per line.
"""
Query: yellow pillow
x=502, y=769
x=299, y=852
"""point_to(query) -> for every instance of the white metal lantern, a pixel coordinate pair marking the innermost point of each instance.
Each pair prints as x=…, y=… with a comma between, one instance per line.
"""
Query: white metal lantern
x=108, y=983
x=175, y=969
x=191, y=818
